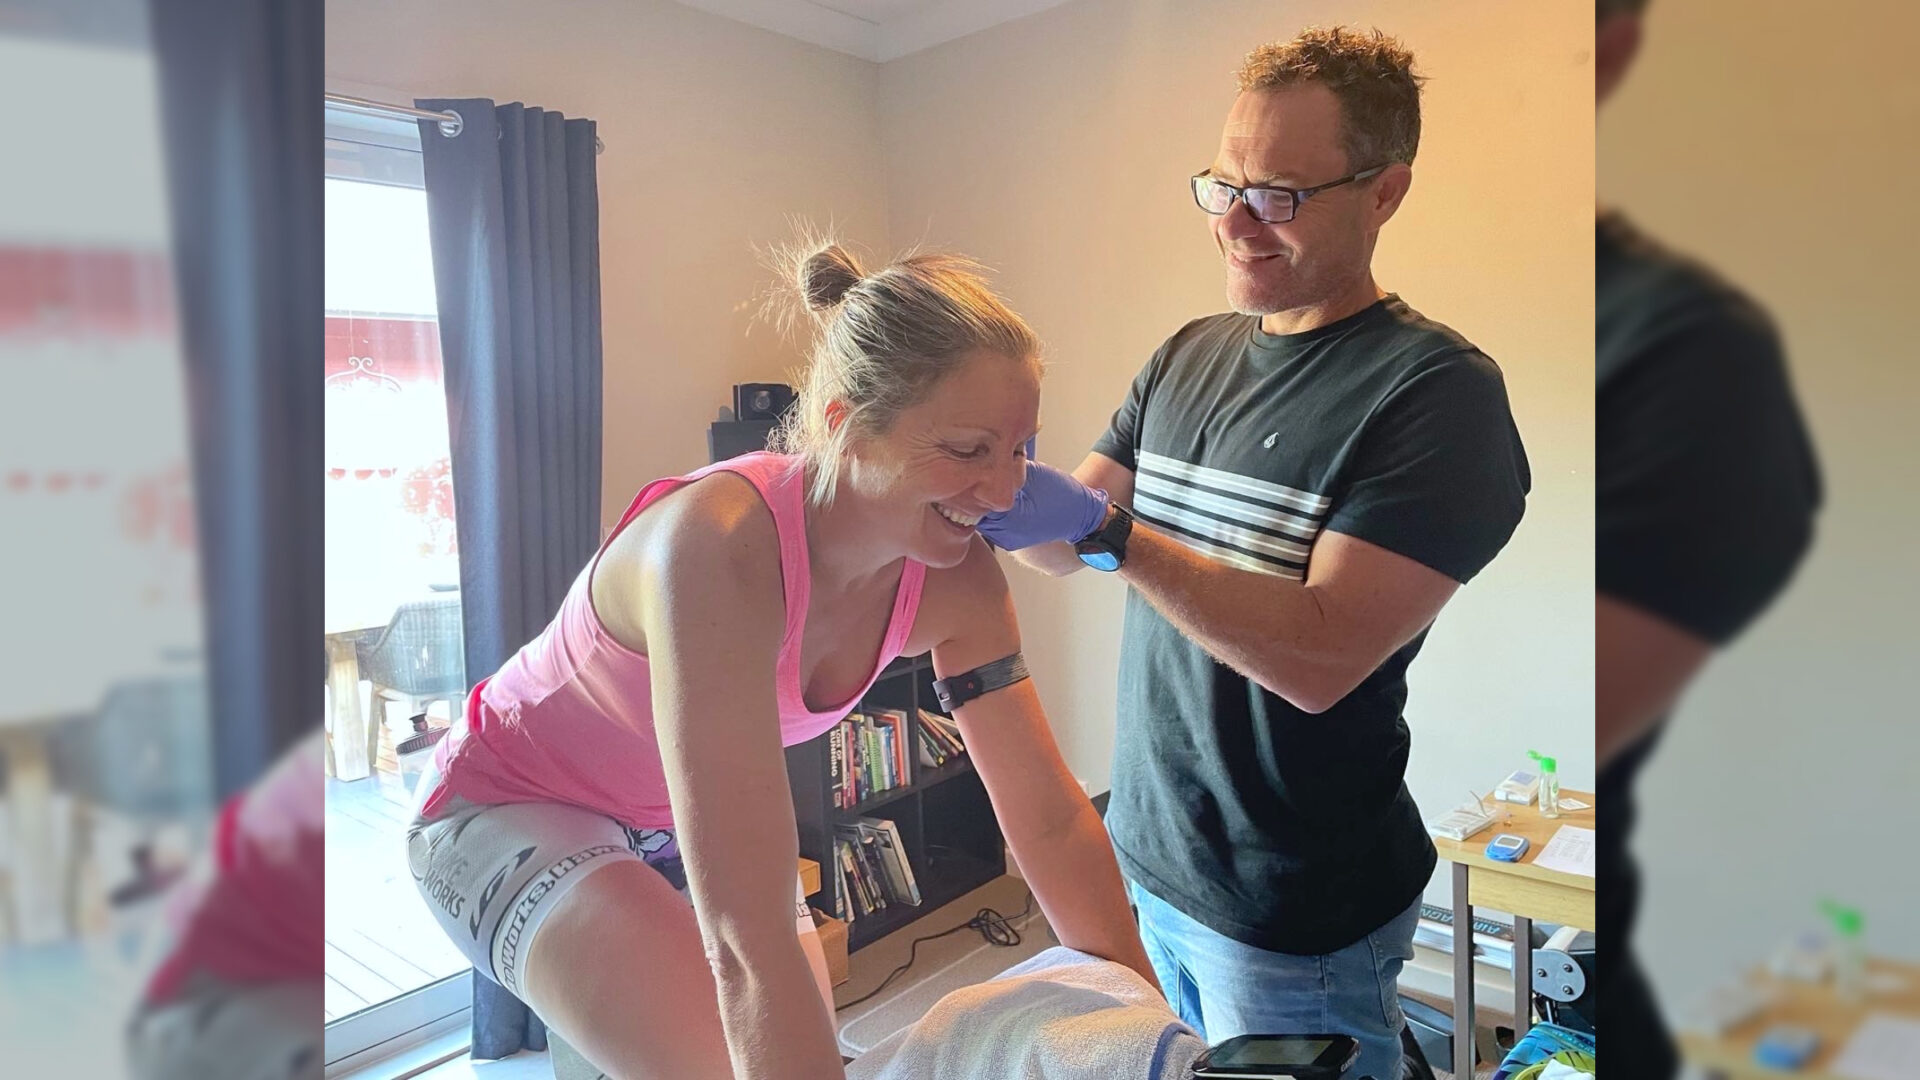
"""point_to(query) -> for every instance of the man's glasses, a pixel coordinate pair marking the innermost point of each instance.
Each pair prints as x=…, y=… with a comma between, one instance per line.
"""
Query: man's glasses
x=1269, y=204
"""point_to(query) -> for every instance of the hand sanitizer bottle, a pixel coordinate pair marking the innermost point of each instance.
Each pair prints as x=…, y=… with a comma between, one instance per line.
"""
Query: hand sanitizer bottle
x=1549, y=784
x=1849, y=958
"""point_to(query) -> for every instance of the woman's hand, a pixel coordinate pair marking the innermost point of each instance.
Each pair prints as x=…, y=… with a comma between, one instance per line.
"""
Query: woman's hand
x=1051, y=505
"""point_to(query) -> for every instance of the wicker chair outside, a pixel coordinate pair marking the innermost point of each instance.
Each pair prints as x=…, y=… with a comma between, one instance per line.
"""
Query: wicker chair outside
x=418, y=659
x=141, y=758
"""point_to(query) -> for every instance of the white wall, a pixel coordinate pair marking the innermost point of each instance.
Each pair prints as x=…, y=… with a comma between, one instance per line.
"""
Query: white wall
x=1782, y=153
x=714, y=132
x=1057, y=148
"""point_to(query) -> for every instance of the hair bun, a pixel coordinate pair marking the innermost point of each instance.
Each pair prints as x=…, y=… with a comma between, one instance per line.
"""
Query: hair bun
x=826, y=275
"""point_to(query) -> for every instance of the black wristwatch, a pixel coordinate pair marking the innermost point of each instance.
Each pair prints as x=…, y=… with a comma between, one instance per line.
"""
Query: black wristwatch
x=1105, y=548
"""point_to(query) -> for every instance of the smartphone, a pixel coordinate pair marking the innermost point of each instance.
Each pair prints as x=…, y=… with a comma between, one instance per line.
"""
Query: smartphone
x=1280, y=1057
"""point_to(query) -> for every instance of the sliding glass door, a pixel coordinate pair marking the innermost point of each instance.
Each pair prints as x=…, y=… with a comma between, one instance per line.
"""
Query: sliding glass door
x=393, y=637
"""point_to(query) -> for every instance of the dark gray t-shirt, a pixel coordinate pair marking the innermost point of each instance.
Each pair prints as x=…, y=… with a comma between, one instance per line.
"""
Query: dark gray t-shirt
x=1282, y=829
x=1707, y=494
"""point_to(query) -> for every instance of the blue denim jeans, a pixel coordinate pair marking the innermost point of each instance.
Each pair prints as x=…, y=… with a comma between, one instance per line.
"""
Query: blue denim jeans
x=1223, y=988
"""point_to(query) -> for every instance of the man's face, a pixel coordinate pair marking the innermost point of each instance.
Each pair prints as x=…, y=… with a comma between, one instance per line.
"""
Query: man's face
x=1291, y=138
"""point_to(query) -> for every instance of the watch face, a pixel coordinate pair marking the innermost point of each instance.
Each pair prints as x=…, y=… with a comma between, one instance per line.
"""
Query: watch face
x=1101, y=560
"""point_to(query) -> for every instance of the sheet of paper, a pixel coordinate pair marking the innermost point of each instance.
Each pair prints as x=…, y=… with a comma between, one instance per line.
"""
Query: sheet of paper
x=1883, y=1048
x=1570, y=851
x=1572, y=804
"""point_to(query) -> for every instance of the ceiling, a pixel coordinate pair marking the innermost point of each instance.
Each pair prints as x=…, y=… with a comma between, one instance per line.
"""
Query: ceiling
x=877, y=30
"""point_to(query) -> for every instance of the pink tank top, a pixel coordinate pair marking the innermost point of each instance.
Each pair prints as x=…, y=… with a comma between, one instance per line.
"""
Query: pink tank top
x=256, y=912
x=569, y=719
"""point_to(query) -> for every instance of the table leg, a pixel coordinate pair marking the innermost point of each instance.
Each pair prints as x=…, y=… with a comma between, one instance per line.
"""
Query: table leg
x=1462, y=976
x=349, y=722
x=37, y=875
x=1522, y=976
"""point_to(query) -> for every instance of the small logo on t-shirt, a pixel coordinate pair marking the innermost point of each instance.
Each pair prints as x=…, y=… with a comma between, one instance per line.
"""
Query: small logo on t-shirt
x=1270, y=440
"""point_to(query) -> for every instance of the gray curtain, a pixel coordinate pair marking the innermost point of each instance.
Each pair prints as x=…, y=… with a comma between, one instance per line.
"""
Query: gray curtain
x=240, y=89
x=514, y=213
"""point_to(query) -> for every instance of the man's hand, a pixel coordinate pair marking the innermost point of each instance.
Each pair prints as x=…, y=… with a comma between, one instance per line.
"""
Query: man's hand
x=1050, y=506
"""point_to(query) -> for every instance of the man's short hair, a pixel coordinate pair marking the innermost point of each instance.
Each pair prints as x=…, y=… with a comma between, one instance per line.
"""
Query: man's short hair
x=1606, y=8
x=1369, y=72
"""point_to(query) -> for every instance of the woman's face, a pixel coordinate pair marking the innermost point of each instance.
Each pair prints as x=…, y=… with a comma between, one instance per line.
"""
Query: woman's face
x=952, y=458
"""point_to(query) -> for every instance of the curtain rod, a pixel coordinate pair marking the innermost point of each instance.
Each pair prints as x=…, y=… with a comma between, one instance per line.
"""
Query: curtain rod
x=450, y=122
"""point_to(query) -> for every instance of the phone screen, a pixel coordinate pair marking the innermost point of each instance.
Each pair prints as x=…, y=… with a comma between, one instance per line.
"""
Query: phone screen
x=1274, y=1050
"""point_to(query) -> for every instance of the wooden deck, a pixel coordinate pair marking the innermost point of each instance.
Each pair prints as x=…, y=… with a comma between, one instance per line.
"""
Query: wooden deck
x=382, y=941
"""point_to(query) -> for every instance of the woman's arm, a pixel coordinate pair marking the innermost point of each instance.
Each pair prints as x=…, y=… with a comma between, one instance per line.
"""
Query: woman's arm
x=713, y=613
x=1053, y=830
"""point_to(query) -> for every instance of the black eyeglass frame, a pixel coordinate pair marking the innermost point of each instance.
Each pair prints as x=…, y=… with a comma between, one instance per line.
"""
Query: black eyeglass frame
x=1296, y=196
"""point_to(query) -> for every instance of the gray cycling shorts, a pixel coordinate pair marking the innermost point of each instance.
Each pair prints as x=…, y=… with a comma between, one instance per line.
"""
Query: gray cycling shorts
x=219, y=1030
x=492, y=873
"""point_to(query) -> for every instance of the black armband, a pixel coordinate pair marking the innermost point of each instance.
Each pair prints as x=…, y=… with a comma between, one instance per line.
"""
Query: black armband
x=985, y=679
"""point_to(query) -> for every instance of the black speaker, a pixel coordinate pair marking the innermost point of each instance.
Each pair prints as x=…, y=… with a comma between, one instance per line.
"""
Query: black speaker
x=731, y=438
x=761, y=401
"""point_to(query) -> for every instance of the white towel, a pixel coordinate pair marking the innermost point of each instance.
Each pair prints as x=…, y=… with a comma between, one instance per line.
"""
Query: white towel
x=1063, y=1015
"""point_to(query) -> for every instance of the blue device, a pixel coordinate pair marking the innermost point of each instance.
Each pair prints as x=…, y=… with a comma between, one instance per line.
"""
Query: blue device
x=1786, y=1047
x=1506, y=848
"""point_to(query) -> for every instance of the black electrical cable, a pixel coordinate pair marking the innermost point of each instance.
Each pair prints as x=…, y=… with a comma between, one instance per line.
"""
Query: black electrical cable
x=996, y=928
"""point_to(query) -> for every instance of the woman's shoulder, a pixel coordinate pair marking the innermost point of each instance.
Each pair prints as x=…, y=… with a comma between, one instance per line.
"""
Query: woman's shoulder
x=714, y=534
x=955, y=597
x=720, y=506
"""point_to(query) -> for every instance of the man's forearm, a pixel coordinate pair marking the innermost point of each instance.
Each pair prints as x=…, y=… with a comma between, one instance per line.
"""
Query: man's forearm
x=1269, y=628
x=1056, y=559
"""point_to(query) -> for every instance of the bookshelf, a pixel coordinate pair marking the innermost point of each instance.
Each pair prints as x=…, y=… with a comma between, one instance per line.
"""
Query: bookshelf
x=944, y=819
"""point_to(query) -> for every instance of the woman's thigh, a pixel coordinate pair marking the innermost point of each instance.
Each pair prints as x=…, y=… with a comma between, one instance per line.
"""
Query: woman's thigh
x=220, y=1030
x=583, y=919
x=619, y=968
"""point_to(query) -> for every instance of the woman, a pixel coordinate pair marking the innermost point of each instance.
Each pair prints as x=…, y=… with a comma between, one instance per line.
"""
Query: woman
x=732, y=612
x=240, y=976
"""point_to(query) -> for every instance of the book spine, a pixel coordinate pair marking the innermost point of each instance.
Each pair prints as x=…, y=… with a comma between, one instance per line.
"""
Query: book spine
x=836, y=765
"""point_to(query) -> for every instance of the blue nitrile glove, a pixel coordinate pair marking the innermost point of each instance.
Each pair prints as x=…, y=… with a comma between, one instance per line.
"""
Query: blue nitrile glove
x=1051, y=505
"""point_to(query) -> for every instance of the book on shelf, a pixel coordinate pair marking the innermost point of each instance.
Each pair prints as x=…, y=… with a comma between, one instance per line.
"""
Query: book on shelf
x=940, y=737
x=836, y=765
x=859, y=891
x=874, y=874
x=867, y=755
x=933, y=754
x=837, y=906
x=840, y=757
x=885, y=732
x=876, y=781
x=896, y=722
x=898, y=868
x=853, y=896
x=864, y=872
x=873, y=858
x=876, y=868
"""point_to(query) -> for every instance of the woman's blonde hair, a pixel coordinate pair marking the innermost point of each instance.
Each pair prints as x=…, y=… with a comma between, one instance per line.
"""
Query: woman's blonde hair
x=882, y=340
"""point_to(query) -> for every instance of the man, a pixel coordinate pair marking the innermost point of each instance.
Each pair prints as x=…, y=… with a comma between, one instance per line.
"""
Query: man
x=1707, y=490
x=1309, y=480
